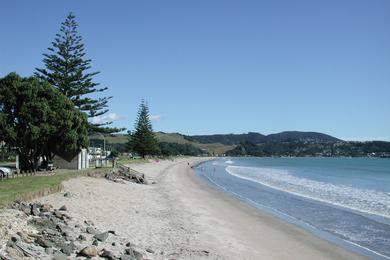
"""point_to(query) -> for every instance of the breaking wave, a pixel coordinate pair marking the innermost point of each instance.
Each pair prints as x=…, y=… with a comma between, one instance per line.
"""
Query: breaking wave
x=363, y=200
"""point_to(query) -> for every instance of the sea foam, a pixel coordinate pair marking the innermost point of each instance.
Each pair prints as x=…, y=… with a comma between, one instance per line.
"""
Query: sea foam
x=363, y=200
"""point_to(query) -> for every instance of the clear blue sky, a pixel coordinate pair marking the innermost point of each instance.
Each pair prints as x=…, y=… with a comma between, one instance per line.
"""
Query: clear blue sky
x=224, y=66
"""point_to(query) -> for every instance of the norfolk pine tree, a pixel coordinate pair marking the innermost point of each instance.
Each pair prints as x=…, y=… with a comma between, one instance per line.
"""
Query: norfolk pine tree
x=67, y=69
x=142, y=140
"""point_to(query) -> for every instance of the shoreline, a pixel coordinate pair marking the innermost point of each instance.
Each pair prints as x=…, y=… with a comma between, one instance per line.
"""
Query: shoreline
x=326, y=249
x=183, y=217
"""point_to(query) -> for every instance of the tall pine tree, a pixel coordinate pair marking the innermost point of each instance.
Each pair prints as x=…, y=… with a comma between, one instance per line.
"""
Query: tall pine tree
x=67, y=69
x=143, y=140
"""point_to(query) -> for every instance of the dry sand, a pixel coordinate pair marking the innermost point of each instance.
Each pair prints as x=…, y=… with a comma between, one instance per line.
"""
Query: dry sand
x=180, y=217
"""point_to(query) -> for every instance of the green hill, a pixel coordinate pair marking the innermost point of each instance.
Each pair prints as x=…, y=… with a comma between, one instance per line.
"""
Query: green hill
x=119, y=140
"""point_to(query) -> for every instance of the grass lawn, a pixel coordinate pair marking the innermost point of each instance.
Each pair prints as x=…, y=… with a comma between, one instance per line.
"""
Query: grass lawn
x=13, y=189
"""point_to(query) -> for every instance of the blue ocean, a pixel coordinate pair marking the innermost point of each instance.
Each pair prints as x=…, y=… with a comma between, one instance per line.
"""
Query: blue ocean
x=343, y=200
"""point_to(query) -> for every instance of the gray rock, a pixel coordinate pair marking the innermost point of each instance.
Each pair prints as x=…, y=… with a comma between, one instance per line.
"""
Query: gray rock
x=46, y=208
x=62, y=228
x=68, y=249
x=89, y=223
x=58, y=214
x=49, y=250
x=95, y=243
x=138, y=255
x=107, y=254
x=149, y=250
x=89, y=251
x=101, y=237
x=50, y=232
x=113, y=243
x=82, y=237
x=67, y=194
x=35, y=209
x=59, y=256
x=15, y=238
x=127, y=257
x=91, y=230
x=63, y=208
x=129, y=251
x=43, y=242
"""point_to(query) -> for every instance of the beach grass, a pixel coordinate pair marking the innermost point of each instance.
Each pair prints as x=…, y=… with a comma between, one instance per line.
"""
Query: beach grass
x=25, y=186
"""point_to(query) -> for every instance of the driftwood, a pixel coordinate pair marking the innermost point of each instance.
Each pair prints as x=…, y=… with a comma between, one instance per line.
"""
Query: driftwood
x=124, y=173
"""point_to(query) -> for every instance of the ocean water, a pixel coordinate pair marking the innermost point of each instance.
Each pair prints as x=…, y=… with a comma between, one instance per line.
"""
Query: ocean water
x=343, y=200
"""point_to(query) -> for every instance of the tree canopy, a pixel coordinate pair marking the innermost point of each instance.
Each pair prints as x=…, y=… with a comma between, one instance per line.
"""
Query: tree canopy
x=67, y=69
x=143, y=140
x=38, y=121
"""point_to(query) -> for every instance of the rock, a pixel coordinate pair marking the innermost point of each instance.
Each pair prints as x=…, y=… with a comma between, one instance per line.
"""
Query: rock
x=101, y=237
x=112, y=232
x=35, y=209
x=107, y=254
x=127, y=257
x=62, y=228
x=128, y=244
x=68, y=249
x=25, y=237
x=89, y=251
x=82, y=237
x=113, y=244
x=63, y=208
x=50, y=232
x=138, y=255
x=67, y=194
x=43, y=242
x=46, y=207
x=95, y=243
x=49, y=250
x=59, y=256
x=89, y=223
x=129, y=251
x=27, y=251
x=15, y=238
x=149, y=250
x=25, y=208
x=91, y=230
x=58, y=214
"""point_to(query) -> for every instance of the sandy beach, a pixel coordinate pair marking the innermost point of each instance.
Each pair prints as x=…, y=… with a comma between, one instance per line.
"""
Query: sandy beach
x=179, y=216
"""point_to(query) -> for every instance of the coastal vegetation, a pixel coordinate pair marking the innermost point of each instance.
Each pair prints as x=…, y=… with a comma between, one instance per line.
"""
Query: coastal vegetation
x=38, y=121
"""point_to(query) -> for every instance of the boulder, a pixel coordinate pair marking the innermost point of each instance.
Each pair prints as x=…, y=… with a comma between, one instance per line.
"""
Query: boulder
x=89, y=251
x=67, y=194
x=63, y=208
